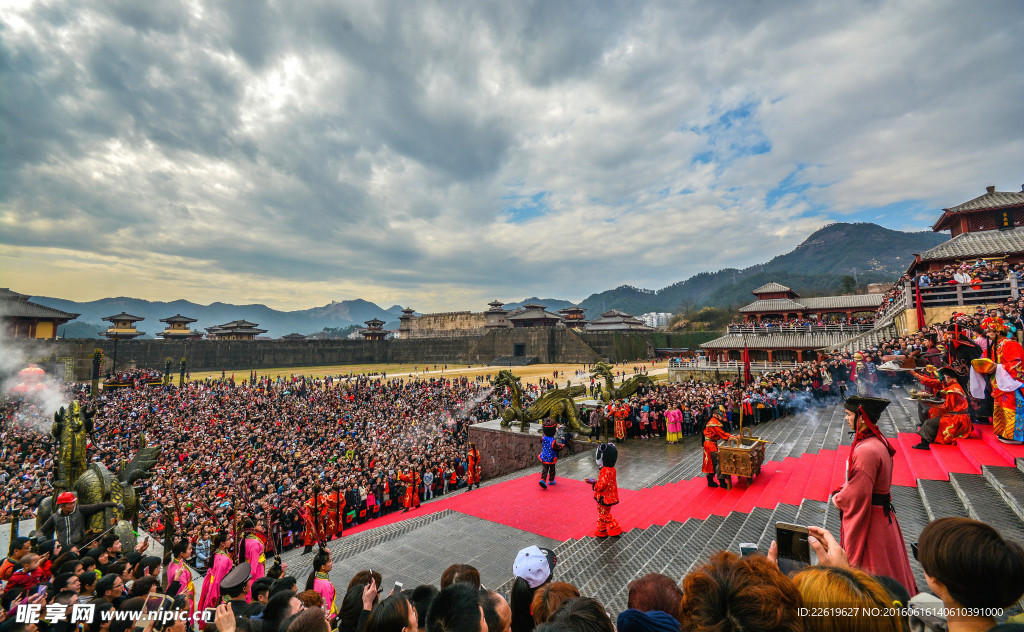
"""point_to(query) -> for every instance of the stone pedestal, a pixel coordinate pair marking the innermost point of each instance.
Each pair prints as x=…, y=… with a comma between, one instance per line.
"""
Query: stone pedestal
x=506, y=450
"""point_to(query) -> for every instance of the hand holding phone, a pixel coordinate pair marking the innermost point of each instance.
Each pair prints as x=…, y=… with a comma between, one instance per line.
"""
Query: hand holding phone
x=793, y=543
x=397, y=588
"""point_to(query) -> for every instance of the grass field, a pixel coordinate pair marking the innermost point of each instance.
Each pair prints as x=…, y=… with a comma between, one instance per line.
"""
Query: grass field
x=529, y=374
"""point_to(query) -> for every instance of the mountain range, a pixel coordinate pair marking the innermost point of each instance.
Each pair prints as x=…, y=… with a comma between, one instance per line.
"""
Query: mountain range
x=867, y=252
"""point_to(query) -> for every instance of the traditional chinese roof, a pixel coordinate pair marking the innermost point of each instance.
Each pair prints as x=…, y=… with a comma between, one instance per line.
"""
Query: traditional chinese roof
x=852, y=301
x=777, y=341
x=532, y=311
x=374, y=323
x=773, y=305
x=14, y=305
x=123, y=316
x=617, y=319
x=981, y=243
x=178, y=318
x=293, y=336
x=990, y=201
x=237, y=324
x=772, y=287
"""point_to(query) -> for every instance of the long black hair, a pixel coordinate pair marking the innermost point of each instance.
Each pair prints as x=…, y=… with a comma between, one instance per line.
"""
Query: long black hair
x=321, y=559
x=520, y=600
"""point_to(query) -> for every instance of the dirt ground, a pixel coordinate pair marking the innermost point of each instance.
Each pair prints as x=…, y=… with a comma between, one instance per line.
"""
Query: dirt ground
x=529, y=374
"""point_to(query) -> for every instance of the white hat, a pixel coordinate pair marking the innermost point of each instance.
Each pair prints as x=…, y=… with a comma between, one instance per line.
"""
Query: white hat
x=534, y=564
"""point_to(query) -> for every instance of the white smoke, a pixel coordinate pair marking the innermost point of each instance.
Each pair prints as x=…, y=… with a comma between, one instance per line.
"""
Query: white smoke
x=46, y=395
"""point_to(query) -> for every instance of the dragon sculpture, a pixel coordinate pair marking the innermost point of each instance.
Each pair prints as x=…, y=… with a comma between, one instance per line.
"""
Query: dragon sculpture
x=555, y=403
x=93, y=482
x=626, y=389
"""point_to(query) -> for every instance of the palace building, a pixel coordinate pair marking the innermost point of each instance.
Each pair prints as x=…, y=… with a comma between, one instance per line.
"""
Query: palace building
x=776, y=302
x=618, y=320
x=178, y=328
x=235, y=330
x=374, y=330
x=22, y=318
x=989, y=226
x=122, y=327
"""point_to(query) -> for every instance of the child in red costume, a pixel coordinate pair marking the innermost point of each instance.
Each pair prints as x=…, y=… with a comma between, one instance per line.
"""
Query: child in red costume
x=606, y=491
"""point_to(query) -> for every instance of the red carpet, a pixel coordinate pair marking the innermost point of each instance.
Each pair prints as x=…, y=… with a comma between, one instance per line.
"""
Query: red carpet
x=567, y=510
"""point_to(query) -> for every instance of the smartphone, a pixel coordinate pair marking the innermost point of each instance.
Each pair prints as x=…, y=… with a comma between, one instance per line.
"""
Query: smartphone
x=41, y=589
x=794, y=543
x=397, y=589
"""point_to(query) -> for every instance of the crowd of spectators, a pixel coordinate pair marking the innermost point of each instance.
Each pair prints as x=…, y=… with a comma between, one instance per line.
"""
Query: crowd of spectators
x=973, y=574
x=265, y=441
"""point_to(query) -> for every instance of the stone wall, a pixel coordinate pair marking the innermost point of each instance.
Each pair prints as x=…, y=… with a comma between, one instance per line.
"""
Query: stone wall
x=548, y=344
x=235, y=356
x=506, y=451
x=446, y=324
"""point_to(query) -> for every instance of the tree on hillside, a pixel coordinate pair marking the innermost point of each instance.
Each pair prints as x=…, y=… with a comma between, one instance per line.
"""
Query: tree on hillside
x=847, y=285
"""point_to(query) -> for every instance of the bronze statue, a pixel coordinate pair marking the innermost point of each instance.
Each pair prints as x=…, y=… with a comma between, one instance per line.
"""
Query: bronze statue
x=93, y=482
x=553, y=403
x=626, y=389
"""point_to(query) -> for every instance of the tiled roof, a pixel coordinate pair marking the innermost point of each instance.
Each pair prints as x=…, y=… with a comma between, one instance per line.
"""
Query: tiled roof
x=777, y=341
x=293, y=337
x=772, y=287
x=533, y=312
x=14, y=305
x=853, y=301
x=178, y=318
x=773, y=305
x=978, y=244
x=123, y=316
x=991, y=200
x=236, y=324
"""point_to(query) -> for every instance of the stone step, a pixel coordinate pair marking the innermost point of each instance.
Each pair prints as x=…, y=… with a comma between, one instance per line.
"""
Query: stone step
x=782, y=513
x=940, y=499
x=811, y=513
x=985, y=503
x=751, y=529
x=722, y=536
x=1009, y=482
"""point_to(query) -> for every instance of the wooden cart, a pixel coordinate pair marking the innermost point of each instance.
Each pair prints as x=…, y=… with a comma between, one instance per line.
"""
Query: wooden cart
x=742, y=458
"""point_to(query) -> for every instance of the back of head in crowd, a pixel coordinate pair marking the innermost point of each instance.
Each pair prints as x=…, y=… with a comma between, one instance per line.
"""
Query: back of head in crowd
x=821, y=586
x=549, y=598
x=970, y=563
x=456, y=609
x=460, y=573
x=655, y=591
x=532, y=569
x=309, y=620
x=497, y=614
x=733, y=593
x=421, y=597
x=393, y=615
x=584, y=614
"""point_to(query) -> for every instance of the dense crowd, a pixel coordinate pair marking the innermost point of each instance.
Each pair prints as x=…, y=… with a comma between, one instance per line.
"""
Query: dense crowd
x=260, y=445
x=973, y=573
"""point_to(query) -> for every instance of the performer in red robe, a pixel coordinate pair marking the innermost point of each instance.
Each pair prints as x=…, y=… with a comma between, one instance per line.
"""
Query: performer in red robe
x=713, y=433
x=411, y=500
x=473, y=471
x=619, y=413
x=1007, y=382
x=950, y=420
x=606, y=491
x=334, y=518
x=314, y=513
x=869, y=530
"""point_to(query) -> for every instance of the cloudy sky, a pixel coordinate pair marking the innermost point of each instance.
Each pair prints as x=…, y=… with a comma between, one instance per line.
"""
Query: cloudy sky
x=441, y=154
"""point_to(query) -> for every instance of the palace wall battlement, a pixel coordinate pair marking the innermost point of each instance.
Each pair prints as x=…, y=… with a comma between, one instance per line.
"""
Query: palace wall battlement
x=443, y=324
